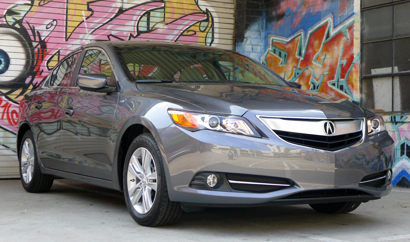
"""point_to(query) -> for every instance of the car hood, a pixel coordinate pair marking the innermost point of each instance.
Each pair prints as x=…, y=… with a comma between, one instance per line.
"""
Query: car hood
x=237, y=99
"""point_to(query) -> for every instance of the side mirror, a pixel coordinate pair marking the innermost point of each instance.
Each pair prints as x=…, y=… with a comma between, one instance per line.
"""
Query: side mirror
x=94, y=82
x=295, y=85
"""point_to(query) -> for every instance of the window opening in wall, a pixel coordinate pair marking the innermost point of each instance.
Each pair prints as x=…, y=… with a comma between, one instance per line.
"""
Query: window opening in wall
x=386, y=55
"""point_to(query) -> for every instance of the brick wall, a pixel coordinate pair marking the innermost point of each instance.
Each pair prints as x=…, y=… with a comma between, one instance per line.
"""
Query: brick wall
x=250, y=28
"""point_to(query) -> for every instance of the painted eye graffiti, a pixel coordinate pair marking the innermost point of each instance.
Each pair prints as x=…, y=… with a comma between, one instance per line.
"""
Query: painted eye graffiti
x=15, y=56
x=4, y=61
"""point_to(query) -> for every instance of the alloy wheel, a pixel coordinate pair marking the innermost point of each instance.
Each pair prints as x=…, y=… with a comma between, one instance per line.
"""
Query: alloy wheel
x=27, y=161
x=142, y=180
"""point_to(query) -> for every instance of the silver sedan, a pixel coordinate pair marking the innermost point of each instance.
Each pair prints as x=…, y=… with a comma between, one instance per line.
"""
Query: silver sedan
x=177, y=127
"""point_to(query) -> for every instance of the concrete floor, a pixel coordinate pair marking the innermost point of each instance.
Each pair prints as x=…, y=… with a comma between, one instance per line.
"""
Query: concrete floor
x=74, y=211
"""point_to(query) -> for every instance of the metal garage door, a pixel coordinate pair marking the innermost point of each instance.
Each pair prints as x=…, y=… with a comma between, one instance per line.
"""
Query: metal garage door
x=35, y=35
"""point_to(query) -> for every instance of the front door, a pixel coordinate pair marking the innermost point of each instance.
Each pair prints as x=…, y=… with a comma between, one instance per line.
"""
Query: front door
x=88, y=145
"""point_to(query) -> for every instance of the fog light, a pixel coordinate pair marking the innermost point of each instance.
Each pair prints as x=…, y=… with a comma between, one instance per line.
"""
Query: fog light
x=212, y=180
x=389, y=174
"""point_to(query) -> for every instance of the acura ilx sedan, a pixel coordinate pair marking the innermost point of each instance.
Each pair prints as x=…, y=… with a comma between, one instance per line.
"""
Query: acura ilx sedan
x=179, y=126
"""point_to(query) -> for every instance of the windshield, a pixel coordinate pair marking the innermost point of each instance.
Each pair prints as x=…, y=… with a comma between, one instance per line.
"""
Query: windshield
x=194, y=65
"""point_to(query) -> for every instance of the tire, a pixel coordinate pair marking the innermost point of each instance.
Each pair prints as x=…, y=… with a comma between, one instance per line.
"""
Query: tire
x=32, y=179
x=335, y=208
x=145, y=186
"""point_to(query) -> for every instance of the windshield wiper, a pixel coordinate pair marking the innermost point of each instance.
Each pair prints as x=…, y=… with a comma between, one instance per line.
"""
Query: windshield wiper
x=155, y=81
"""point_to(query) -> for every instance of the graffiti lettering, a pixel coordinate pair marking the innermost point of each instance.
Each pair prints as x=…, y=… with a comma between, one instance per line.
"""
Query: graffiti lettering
x=9, y=115
x=323, y=61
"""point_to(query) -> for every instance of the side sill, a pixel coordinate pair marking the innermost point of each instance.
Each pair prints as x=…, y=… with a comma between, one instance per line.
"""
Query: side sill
x=80, y=178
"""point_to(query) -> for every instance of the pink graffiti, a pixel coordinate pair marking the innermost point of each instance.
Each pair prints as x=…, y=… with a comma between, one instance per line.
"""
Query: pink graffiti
x=394, y=136
x=128, y=26
x=53, y=33
x=400, y=133
x=404, y=131
x=172, y=31
x=101, y=25
x=47, y=23
x=8, y=115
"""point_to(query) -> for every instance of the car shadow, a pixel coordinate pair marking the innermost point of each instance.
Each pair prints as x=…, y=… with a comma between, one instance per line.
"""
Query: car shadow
x=285, y=218
x=93, y=194
x=229, y=221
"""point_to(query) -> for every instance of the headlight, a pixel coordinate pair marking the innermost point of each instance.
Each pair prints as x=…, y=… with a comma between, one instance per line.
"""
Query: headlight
x=198, y=121
x=375, y=125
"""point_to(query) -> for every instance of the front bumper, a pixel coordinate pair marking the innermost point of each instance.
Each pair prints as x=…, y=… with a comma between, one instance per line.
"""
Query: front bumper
x=188, y=154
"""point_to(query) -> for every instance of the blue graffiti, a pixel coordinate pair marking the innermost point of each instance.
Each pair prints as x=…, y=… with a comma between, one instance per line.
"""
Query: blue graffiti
x=340, y=84
x=402, y=174
x=4, y=61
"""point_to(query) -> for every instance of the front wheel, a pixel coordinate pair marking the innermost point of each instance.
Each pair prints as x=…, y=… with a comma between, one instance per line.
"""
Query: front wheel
x=32, y=179
x=335, y=208
x=145, y=185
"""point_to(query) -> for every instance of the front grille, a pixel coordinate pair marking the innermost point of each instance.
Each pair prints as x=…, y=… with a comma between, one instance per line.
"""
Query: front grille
x=330, y=143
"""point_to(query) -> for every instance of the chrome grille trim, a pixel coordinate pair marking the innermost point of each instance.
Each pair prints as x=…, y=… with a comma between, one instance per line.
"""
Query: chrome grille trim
x=352, y=138
x=313, y=127
x=259, y=183
x=372, y=180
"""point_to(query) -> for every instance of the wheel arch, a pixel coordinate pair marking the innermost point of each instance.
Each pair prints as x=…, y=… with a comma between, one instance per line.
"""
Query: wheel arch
x=132, y=129
x=128, y=136
x=24, y=127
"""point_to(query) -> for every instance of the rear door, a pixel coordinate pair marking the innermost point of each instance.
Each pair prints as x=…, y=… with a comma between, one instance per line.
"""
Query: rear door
x=88, y=144
x=47, y=112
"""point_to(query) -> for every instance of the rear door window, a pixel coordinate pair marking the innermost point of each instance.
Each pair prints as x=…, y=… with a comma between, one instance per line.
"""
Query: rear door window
x=62, y=74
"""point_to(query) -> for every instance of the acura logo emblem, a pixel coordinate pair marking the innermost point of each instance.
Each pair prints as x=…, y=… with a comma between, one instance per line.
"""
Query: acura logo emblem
x=329, y=127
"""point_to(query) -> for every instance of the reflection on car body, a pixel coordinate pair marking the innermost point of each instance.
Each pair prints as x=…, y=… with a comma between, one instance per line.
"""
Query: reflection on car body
x=173, y=124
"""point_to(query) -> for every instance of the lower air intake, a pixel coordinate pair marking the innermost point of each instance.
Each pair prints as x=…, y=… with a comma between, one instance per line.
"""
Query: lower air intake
x=375, y=180
x=257, y=184
x=327, y=194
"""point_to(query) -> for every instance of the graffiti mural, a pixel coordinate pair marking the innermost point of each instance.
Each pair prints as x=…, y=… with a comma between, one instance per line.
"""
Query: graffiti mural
x=322, y=60
x=399, y=127
x=317, y=44
x=311, y=42
x=36, y=34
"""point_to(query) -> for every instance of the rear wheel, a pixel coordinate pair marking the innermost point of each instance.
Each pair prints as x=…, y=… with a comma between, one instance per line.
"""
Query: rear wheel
x=335, y=208
x=145, y=185
x=32, y=179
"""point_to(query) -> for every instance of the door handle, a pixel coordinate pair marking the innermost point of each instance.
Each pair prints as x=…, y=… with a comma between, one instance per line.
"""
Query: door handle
x=39, y=104
x=69, y=111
